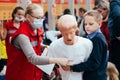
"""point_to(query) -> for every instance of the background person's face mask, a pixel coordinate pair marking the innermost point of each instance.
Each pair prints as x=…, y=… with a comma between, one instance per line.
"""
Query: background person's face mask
x=38, y=23
x=19, y=19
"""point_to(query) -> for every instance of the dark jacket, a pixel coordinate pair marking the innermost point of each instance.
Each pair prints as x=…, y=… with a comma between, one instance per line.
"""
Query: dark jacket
x=114, y=28
x=95, y=67
x=114, y=19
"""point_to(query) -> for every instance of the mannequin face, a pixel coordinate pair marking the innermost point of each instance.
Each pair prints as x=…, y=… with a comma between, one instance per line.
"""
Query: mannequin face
x=69, y=36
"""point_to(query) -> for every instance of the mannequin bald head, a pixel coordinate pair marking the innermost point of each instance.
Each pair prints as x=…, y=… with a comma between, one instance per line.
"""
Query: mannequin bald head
x=67, y=22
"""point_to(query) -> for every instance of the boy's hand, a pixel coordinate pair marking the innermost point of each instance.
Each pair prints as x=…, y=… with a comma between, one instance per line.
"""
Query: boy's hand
x=66, y=68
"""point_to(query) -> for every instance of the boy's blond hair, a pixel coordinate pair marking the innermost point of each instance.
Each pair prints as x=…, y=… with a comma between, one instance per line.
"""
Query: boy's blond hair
x=112, y=72
x=94, y=13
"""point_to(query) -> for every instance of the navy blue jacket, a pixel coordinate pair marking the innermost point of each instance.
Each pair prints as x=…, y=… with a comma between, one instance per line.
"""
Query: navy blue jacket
x=95, y=67
x=114, y=19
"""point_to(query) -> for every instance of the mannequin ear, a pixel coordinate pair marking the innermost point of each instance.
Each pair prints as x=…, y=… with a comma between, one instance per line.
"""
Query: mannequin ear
x=27, y=16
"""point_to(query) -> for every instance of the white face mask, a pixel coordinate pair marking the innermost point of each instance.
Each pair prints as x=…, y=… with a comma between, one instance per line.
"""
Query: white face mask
x=19, y=19
x=38, y=23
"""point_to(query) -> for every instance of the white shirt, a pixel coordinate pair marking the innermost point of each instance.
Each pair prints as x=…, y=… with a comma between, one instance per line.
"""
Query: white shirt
x=79, y=52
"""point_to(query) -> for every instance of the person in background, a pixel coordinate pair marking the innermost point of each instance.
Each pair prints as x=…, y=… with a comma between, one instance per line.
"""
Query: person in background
x=66, y=11
x=3, y=55
x=70, y=46
x=45, y=22
x=81, y=14
x=81, y=22
x=3, y=60
x=112, y=72
x=103, y=8
x=75, y=13
x=10, y=28
x=114, y=30
x=17, y=17
x=49, y=35
x=27, y=41
x=96, y=65
x=46, y=40
x=96, y=2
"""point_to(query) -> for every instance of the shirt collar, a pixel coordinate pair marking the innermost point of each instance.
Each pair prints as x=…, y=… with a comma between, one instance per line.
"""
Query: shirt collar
x=90, y=36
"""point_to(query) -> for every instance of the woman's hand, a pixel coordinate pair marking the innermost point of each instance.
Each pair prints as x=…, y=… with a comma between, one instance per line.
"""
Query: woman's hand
x=43, y=46
x=3, y=32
